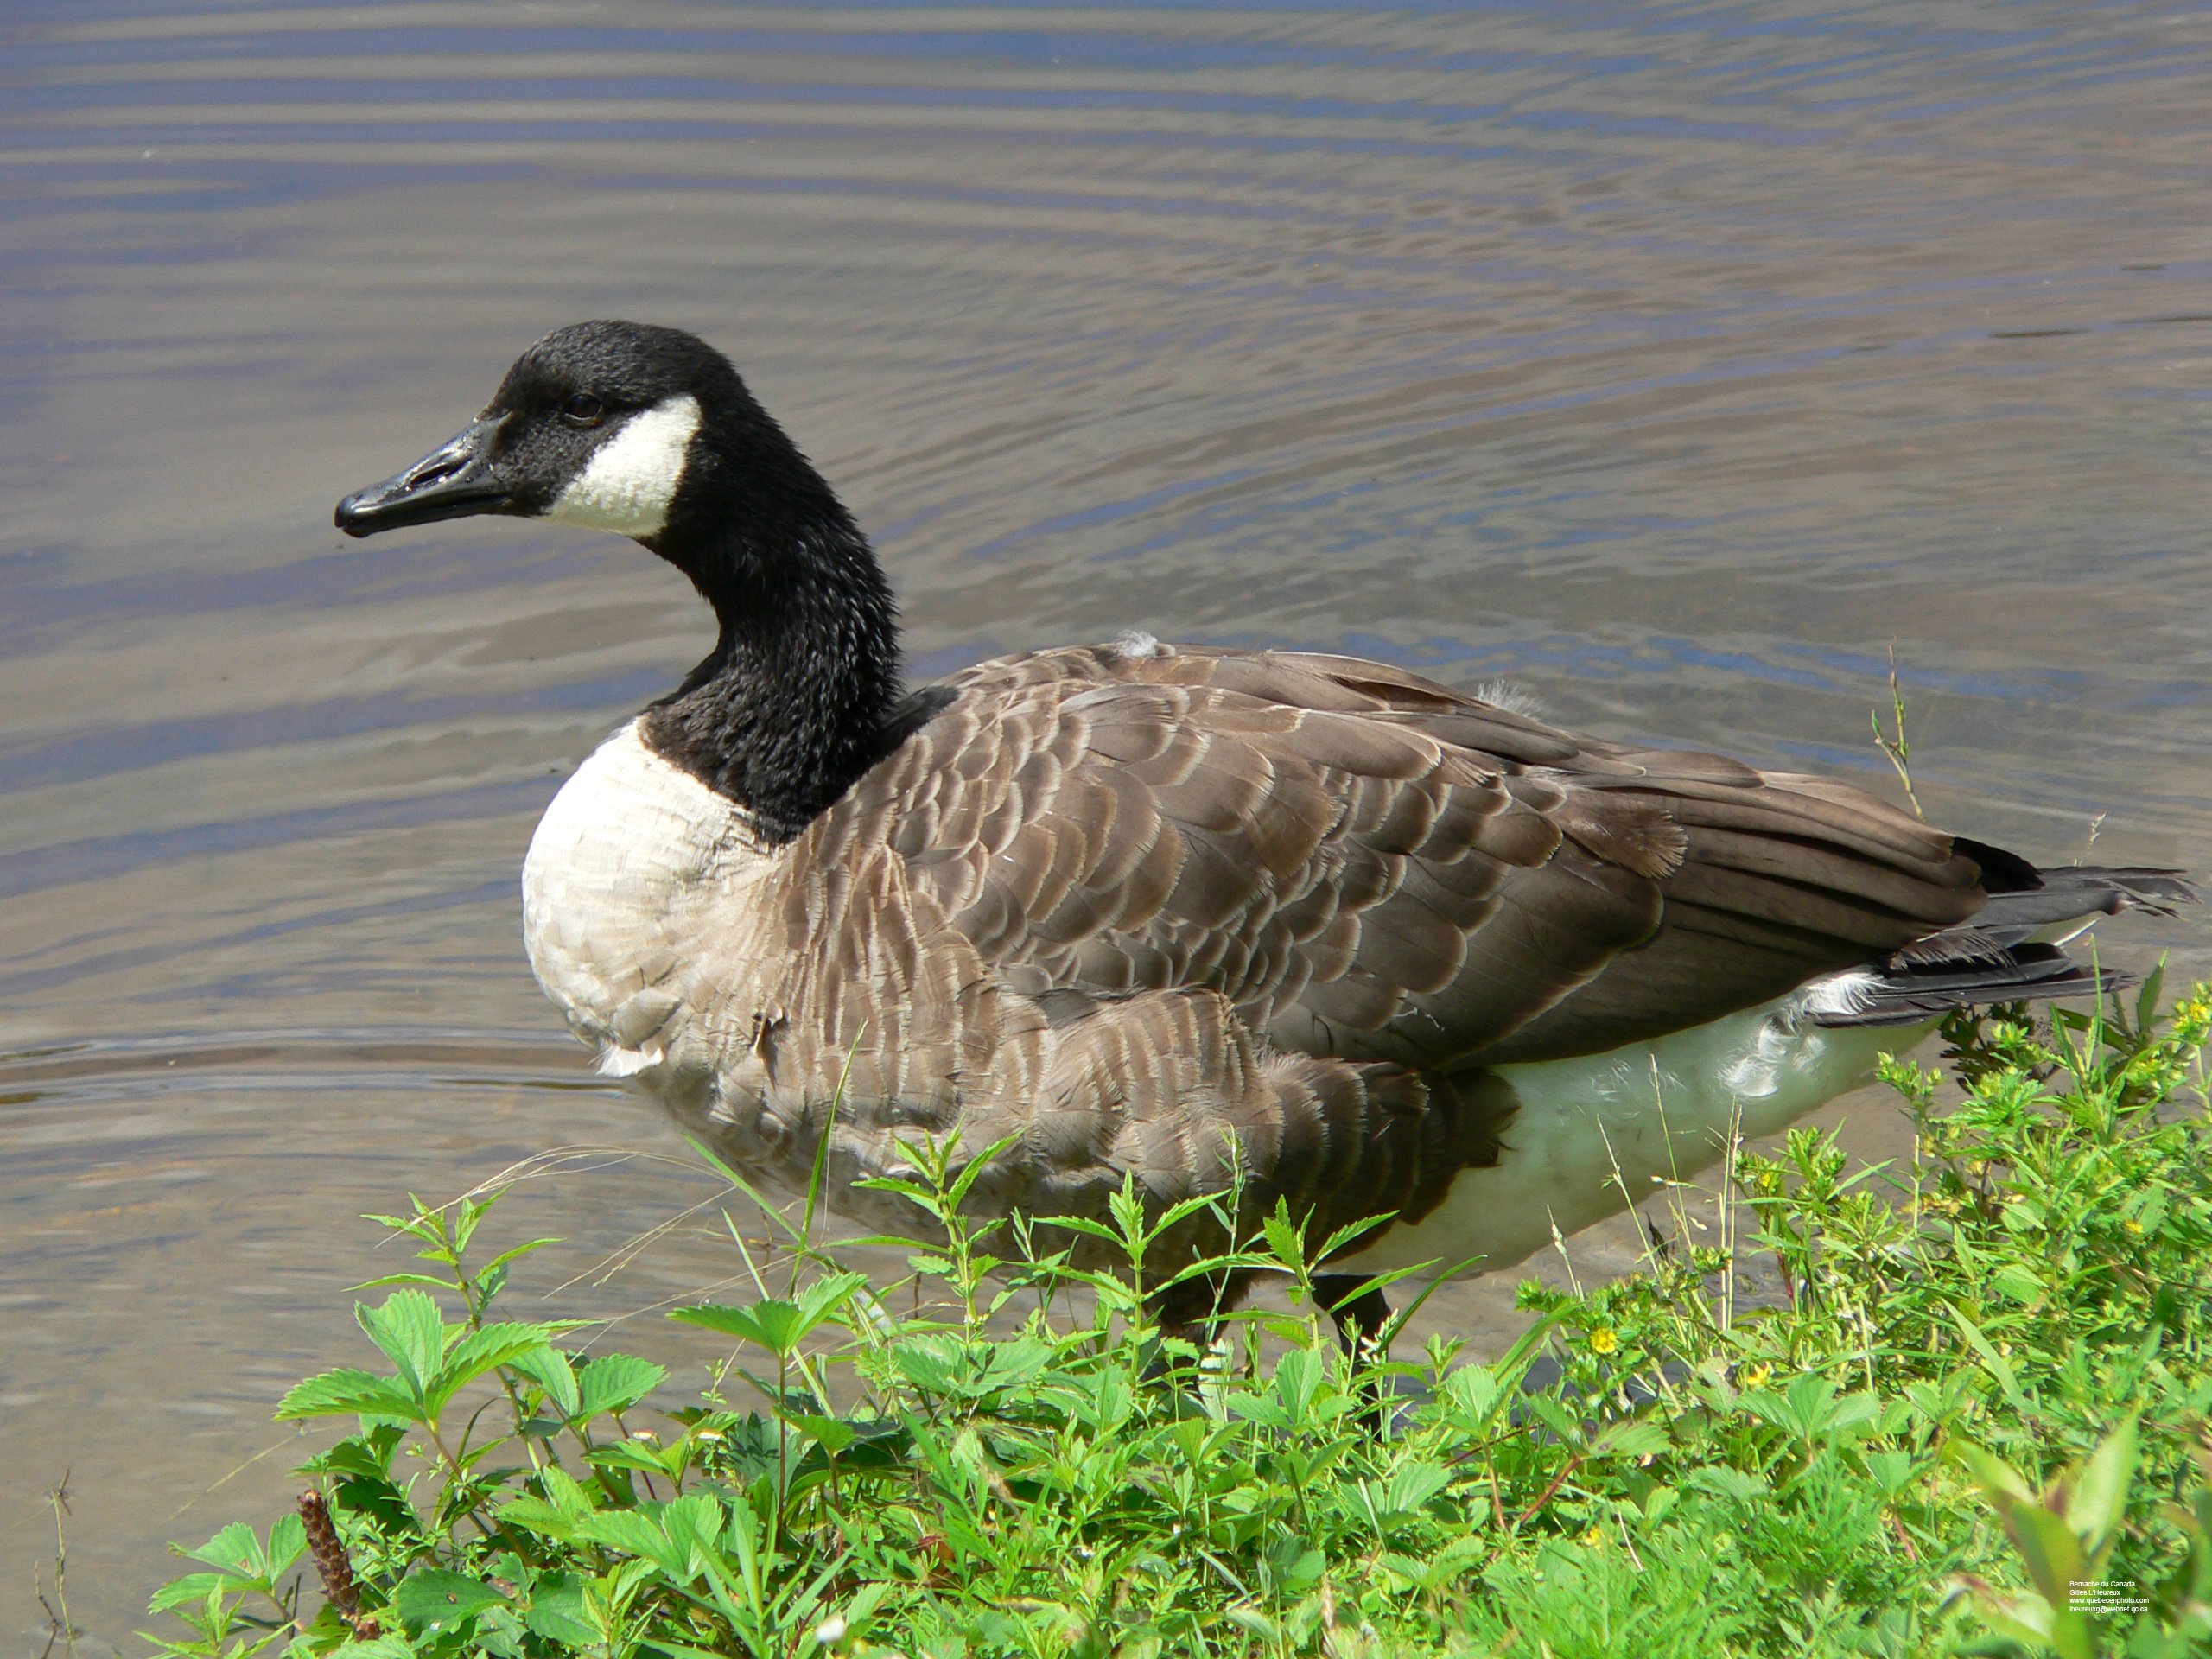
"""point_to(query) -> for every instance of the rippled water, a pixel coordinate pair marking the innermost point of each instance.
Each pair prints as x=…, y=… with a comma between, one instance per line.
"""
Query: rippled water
x=1672, y=361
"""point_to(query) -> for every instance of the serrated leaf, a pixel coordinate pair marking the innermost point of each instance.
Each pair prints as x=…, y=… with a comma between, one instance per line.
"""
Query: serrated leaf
x=634, y=1534
x=193, y=1588
x=236, y=1550
x=616, y=1382
x=1412, y=1485
x=347, y=1392
x=505, y=1256
x=693, y=1523
x=567, y=1494
x=535, y=1515
x=772, y=1322
x=480, y=1352
x=834, y=1433
x=377, y=1647
x=641, y=1455
x=550, y=1369
x=412, y=1332
x=392, y=1279
x=556, y=1611
x=1722, y=1481
x=436, y=1599
x=1633, y=1440
x=287, y=1538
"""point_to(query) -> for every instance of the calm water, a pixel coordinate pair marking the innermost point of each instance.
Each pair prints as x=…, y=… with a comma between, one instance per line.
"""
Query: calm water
x=1672, y=361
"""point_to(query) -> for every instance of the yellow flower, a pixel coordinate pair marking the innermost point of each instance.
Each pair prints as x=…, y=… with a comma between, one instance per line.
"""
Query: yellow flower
x=2131, y=1225
x=1602, y=1340
x=1594, y=1537
x=1755, y=1376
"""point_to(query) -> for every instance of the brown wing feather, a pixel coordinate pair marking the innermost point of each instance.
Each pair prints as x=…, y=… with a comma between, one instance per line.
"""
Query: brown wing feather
x=1370, y=865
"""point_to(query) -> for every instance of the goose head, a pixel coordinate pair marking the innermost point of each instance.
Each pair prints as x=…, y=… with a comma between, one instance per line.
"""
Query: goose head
x=650, y=432
x=627, y=427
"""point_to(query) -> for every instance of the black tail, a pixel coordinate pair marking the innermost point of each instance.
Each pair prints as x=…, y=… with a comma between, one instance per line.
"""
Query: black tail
x=1997, y=957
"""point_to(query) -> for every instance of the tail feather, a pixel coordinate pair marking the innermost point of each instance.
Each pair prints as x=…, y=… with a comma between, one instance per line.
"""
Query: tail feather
x=1999, y=956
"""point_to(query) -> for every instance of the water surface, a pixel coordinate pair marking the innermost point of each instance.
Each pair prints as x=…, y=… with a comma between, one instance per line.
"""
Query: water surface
x=1672, y=361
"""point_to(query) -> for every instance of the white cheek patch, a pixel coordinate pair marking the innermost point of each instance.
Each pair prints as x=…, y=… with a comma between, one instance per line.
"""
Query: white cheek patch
x=632, y=476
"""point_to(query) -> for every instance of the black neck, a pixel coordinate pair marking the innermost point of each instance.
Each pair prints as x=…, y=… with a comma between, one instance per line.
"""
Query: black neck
x=801, y=693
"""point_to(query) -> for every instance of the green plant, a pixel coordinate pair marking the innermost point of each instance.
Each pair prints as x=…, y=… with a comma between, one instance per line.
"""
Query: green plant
x=1975, y=1361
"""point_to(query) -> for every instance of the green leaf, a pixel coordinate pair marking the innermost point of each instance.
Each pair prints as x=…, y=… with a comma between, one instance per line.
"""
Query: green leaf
x=390, y=1278
x=1633, y=1440
x=550, y=1369
x=505, y=1257
x=412, y=1332
x=644, y=1456
x=535, y=1515
x=287, y=1539
x=834, y=1433
x=566, y=1494
x=388, y=1646
x=195, y=1587
x=1285, y=1242
x=1412, y=1485
x=635, y=1535
x=1722, y=1481
x=2099, y=1502
x=480, y=1352
x=616, y=1382
x=436, y=1599
x=2007, y=1380
x=556, y=1611
x=347, y=1392
x=772, y=1323
x=235, y=1549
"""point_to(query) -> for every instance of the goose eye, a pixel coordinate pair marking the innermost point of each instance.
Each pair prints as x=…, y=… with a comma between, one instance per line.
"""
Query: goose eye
x=581, y=409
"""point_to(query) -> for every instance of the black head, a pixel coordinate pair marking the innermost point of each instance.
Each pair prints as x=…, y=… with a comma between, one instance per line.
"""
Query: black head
x=648, y=432
x=618, y=426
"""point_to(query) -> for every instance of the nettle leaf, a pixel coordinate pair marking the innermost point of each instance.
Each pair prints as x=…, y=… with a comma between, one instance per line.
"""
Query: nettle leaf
x=347, y=1392
x=1636, y=1439
x=1722, y=1481
x=287, y=1539
x=834, y=1433
x=410, y=1331
x=557, y=1611
x=615, y=1382
x=952, y=1366
x=567, y=1494
x=636, y=1535
x=235, y=1549
x=1412, y=1485
x=645, y=1455
x=932, y=1364
x=535, y=1515
x=195, y=1587
x=550, y=1369
x=693, y=1523
x=379, y=1647
x=480, y=1352
x=437, y=1600
x=554, y=1514
x=772, y=1323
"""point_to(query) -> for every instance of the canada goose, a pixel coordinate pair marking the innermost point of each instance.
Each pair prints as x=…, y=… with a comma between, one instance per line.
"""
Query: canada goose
x=1372, y=944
